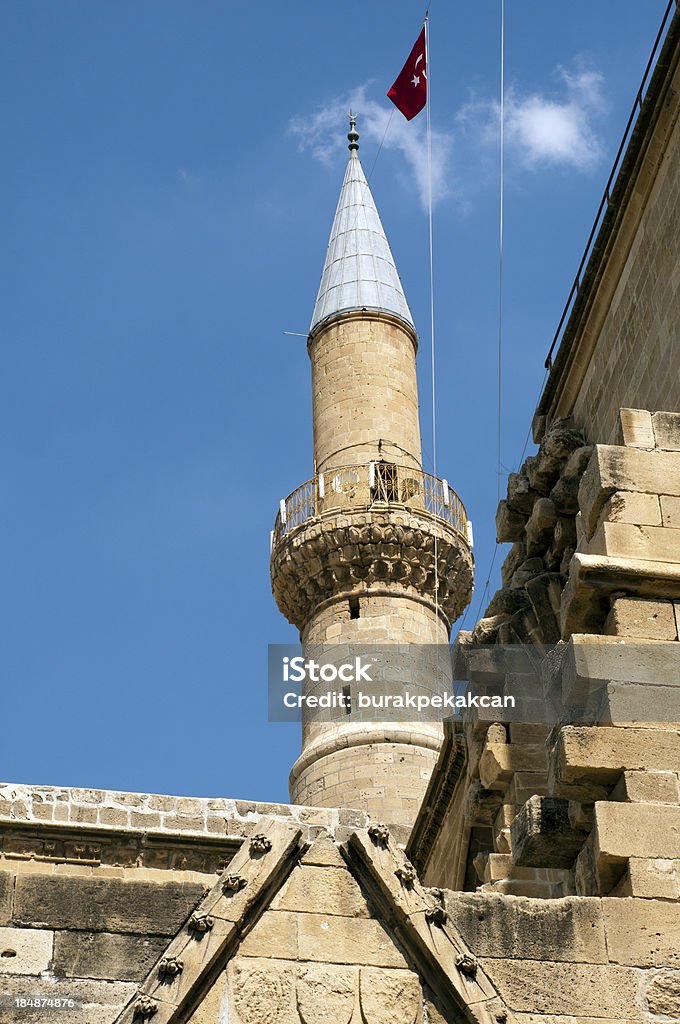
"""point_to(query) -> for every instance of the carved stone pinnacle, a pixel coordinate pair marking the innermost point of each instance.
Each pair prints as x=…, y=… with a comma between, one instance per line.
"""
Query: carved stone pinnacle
x=201, y=923
x=144, y=1007
x=260, y=843
x=380, y=834
x=234, y=883
x=170, y=966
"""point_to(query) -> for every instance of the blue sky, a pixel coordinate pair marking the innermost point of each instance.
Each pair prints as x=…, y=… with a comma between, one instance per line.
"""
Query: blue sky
x=169, y=178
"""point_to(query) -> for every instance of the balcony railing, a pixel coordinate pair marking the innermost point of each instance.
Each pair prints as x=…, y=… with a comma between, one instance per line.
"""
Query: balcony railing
x=367, y=486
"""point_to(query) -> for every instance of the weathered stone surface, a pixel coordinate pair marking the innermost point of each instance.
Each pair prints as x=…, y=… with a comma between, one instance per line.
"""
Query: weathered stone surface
x=662, y=995
x=544, y=593
x=651, y=879
x=324, y=853
x=636, y=830
x=325, y=995
x=574, y=990
x=543, y=836
x=389, y=996
x=509, y=523
x=625, y=540
x=635, y=429
x=25, y=950
x=486, y=630
x=667, y=430
x=499, y=762
x=570, y=929
x=6, y=890
x=670, y=512
x=346, y=940
x=521, y=497
x=625, y=469
x=641, y=617
x=602, y=754
x=647, y=787
x=630, y=507
x=262, y=992
x=101, y=1000
x=564, y=495
x=104, y=955
x=526, y=571
x=514, y=558
x=642, y=933
x=322, y=890
x=540, y=527
x=507, y=602
x=89, y=904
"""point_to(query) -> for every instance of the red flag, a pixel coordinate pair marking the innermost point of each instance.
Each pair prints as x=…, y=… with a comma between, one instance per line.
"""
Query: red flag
x=409, y=92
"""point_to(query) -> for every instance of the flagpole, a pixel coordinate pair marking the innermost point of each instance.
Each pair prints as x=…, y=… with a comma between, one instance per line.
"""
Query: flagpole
x=428, y=124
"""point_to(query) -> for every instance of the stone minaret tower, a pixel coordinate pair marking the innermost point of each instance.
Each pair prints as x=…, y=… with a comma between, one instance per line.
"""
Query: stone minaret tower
x=353, y=556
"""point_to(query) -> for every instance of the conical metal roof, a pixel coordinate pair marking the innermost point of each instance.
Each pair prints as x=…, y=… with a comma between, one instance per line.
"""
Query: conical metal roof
x=359, y=272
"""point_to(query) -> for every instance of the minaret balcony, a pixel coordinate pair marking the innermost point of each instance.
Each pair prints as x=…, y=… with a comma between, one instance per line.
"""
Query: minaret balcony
x=376, y=525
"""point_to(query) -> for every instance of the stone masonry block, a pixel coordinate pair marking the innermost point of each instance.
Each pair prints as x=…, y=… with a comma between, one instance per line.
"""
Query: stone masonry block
x=97, y=904
x=636, y=830
x=326, y=890
x=635, y=429
x=101, y=1000
x=601, y=754
x=639, y=617
x=509, y=524
x=647, y=787
x=667, y=430
x=625, y=540
x=25, y=950
x=500, y=761
x=632, y=507
x=568, y=929
x=6, y=892
x=648, y=878
x=572, y=992
x=542, y=834
x=105, y=956
x=670, y=511
x=614, y=469
x=642, y=933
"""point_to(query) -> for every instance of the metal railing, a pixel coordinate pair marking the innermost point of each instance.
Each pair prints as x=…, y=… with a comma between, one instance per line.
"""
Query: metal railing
x=367, y=486
x=606, y=197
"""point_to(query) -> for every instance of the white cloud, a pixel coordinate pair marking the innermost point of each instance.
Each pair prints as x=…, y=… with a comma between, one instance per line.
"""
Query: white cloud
x=547, y=130
x=323, y=134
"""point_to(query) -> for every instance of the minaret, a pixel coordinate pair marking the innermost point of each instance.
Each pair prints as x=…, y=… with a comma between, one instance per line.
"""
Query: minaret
x=353, y=555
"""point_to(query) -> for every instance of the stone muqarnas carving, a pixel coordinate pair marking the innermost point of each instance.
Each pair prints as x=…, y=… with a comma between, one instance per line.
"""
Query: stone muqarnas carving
x=201, y=923
x=170, y=966
x=144, y=1008
x=234, y=883
x=260, y=843
x=380, y=834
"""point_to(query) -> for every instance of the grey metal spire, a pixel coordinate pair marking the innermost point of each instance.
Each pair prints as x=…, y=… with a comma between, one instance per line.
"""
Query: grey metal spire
x=359, y=272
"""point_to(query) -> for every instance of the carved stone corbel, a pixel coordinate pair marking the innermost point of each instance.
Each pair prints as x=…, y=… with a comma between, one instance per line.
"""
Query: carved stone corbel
x=380, y=834
x=260, y=843
x=233, y=883
x=170, y=966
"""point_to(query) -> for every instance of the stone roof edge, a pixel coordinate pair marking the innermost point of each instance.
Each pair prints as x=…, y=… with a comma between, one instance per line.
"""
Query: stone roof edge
x=623, y=187
x=440, y=789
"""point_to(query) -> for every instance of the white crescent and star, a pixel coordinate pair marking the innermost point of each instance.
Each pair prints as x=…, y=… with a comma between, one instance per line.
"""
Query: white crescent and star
x=416, y=78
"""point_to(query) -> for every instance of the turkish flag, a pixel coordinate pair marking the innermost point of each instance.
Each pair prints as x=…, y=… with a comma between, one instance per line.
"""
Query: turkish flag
x=409, y=92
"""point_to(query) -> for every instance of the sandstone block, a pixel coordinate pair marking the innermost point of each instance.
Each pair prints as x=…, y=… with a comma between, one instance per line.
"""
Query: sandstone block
x=543, y=836
x=112, y=904
x=564, y=494
x=521, y=497
x=587, y=662
x=25, y=950
x=324, y=890
x=601, y=754
x=625, y=540
x=649, y=878
x=662, y=995
x=635, y=429
x=636, y=830
x=631, y=507
x=509, y=523
x=6, y=889
x=514, y=558
x=670, y=511
x=346, y=940
x=647, y=787
x=571, y=990
x=614, y=469
x=105, y=956
x=642, y=933
x=540, y=527
x=101, y=1000
x=640, y=617
x=499, y=762
x=498, y=926
x=667, y=430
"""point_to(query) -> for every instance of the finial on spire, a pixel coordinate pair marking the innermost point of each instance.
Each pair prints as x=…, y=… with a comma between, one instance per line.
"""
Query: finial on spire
x=353, y=134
